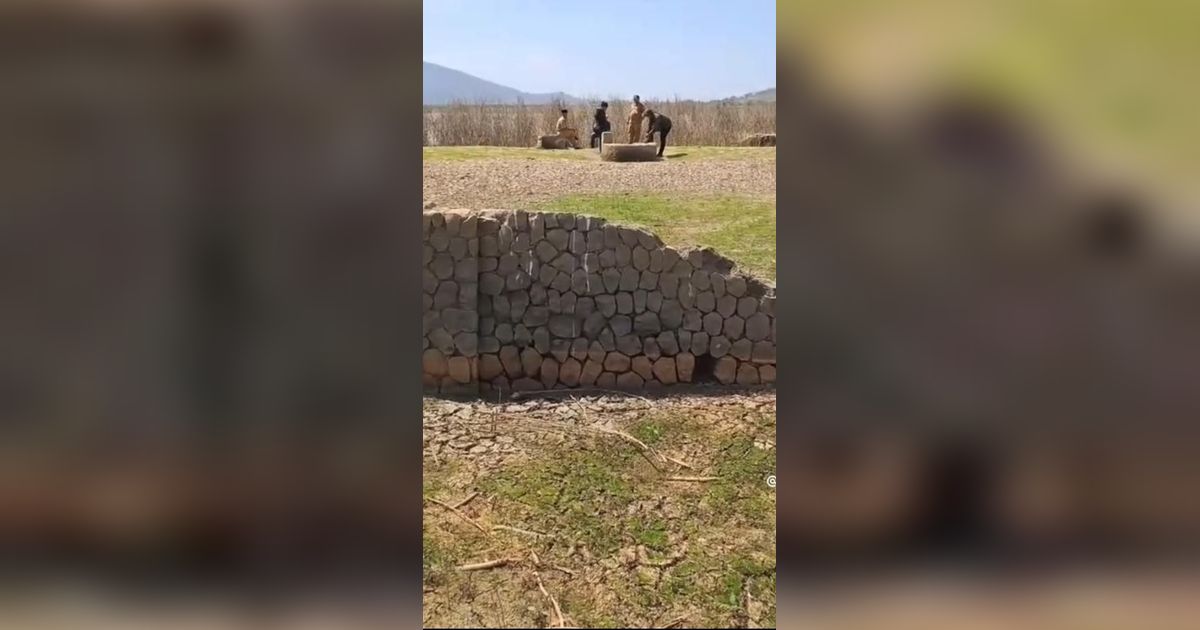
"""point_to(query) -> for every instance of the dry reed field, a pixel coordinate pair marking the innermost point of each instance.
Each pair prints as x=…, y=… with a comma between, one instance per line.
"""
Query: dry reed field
x=695, y=123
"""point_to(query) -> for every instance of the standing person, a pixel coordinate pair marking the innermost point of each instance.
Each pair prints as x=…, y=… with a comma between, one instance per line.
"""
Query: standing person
x=635, y=119
x=600, y=123
x=662, y=125
x=565, y=130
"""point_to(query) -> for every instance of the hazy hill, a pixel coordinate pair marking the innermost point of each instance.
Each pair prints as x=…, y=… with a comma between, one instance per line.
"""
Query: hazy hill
x=442, y=85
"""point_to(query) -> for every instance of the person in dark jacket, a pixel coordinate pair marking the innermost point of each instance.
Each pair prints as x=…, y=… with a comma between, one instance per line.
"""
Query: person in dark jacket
x=661, y=124
x=600, y=122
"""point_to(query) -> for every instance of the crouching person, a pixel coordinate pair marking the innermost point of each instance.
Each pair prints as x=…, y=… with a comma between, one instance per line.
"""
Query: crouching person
x=600, y=123
x=566, y=131
x=661, y=124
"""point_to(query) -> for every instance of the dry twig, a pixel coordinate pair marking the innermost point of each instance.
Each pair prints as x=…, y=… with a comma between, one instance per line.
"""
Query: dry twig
x=459, y=514
x=478, y=566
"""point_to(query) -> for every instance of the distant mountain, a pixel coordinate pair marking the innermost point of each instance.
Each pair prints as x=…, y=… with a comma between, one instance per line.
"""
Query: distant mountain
x=761, y=95
x=442, y=86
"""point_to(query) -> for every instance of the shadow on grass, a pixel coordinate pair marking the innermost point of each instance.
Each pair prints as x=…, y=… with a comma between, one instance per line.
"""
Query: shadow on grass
x=676, y=155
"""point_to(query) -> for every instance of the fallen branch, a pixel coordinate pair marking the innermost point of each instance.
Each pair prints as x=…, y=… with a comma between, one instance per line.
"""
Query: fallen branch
x=466, y=500
x=675, y=622
x=519, y=530
x=680, y=463
x=690, y=478
x=562, y=623
x=455, y=511
x=479, y=566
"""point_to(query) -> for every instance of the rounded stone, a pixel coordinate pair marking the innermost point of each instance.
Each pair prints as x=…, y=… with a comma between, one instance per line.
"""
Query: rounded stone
x=758, y=327
x=591, y=371
x=735, y=286
x=766, y=373
x=549, y=372
x=642, y=366
x=667, y=343
x=701, y=280
x=747, y=374
x=630, y=381
x=531, y=362
x=616, y=362
x=442, y=266
x=706, y=301
x=569, y=372
x=433, y=362
x=718, y=346
x=490, y=367
x=718, y=284
x=625, y=303
x=741, y=349
x=629, y=344
x=699, y=343
x=725, y=370
x=734, y=326
x=641, y=258
x=459, y=369
x=664, y=371
x=746, y=307
x=510, y=358
x=685, y=366
x=726, y=305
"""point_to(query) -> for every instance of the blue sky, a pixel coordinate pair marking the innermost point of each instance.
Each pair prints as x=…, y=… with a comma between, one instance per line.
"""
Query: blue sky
x=702, y=49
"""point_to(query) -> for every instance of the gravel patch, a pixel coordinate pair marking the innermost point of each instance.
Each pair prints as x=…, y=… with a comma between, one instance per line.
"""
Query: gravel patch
x=507, y=183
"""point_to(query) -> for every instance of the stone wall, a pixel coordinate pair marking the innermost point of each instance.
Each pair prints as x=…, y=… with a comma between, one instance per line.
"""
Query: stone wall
x=522, y=301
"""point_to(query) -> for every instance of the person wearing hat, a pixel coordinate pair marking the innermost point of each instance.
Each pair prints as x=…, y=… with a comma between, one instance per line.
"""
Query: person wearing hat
x=635, y=119
x=600, y=123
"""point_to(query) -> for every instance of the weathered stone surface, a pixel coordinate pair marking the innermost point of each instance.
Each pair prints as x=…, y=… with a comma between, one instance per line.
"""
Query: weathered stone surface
x=629, y=279
x=439, y=240
x=746, y=307
x=606, y=305
x=607, y=340
x=630, y=381
x=624, y=255
x=671, y=314
x=608, y=259
x=596, y=352
x=725, y=370
x=649, y=281
x=651, y=349
x=647, y=324
x=510, y=358
x=654, y=301
x=648, y=241
x=641, y=258
x=459, y=369
x=664, y=371
x=741, y=349
x=667, y=343
x=617, y=362
x=642, y=365
x=466, y=343
x=705, y=301
x=639, y=301
x=763, y=352
x=536, y=316
x=713, y=324
x=718, y=284
x=766, y=373
x=656, y=260
x=693, y=320
x=593, y=325
x=549, y=374
x=629, y=344
x=591, y=371
x=560, y=349
x=701, y=280
x=531, y=362
x=559, y=238
x=699, y=343
x=727, y=305
x=433, y=362
x=541, y=339
x=564, y=326
x=458, y=247
x=735, y=286
x=718, y=346
x=621, y=325
x=446, y=295
x=758, y=327
x=685, y=366
x=442, y=340
x=734, y=326
x=747, y=374
x=490, y=367
x=625, y=303
x=569, y=372
x=442, y=266
x=521, y=336
x=488, y=344
x=579, y=349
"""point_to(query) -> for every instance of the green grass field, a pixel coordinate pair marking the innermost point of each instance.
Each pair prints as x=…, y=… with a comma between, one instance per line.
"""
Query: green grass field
x=517, y=153
x=740, y=229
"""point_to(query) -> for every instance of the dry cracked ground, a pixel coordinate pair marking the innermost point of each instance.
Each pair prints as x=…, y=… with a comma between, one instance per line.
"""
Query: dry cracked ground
x=602, y=511
x=599, y=510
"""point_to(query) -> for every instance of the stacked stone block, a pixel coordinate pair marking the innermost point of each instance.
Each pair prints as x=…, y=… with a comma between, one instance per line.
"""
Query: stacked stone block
x=522, y=301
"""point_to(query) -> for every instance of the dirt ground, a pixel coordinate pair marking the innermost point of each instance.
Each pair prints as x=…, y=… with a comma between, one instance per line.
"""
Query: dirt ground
x=604, y=510
x=505, y=182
